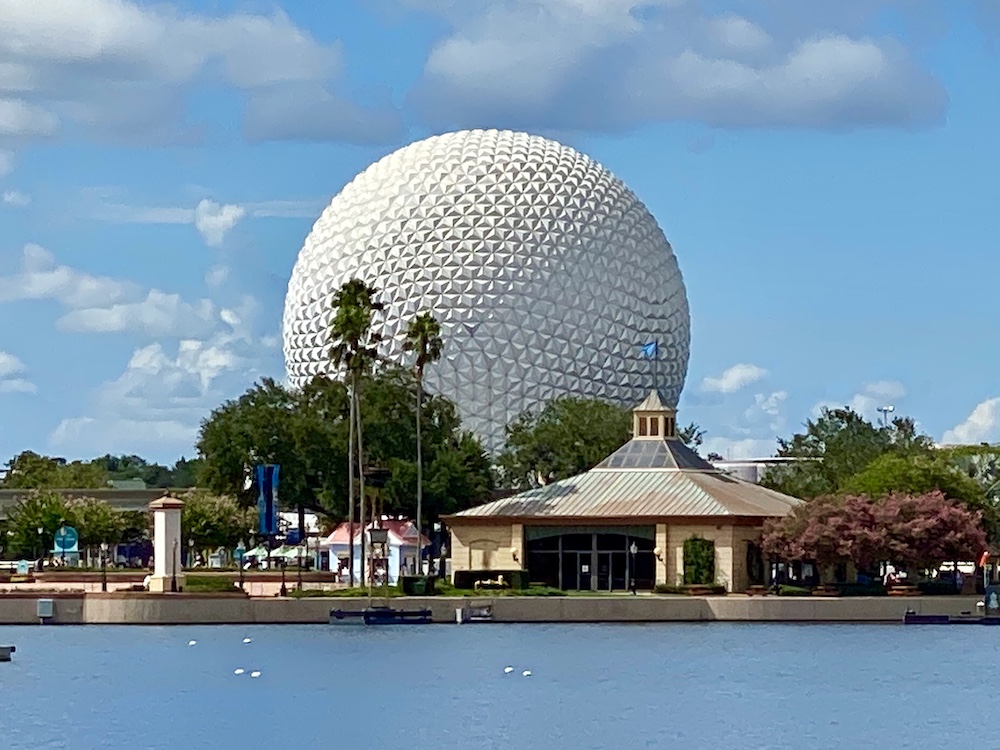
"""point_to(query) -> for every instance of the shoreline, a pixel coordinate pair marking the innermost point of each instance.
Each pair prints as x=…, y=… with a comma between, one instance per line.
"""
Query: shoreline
x=80, y=608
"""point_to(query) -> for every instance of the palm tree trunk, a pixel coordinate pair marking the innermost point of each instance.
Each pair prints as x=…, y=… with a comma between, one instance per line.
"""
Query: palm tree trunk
x=420, y=472
x=361, y=483
x=350, y=489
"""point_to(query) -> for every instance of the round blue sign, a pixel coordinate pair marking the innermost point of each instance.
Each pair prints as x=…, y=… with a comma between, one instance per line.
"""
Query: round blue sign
x=66, y=537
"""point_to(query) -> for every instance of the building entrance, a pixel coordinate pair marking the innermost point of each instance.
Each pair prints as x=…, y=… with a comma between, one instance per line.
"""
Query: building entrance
x=592, y=559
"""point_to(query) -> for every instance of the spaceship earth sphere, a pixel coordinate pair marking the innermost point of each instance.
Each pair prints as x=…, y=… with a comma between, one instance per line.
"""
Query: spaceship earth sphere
x=546, y=273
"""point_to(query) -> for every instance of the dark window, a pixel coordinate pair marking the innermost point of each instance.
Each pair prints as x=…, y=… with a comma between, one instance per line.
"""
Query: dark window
x=654, y=426
x=642, y=426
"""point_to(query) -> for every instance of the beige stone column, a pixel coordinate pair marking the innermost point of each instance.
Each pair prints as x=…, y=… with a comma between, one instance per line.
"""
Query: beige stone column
x=662, y=552
x=168, y=574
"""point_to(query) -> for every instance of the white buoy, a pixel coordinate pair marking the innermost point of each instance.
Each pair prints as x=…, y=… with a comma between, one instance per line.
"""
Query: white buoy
x=238, y=671
x=255, y=674
x=508, y=670
x=248, y=640
x=191, y=643
x=526, y=673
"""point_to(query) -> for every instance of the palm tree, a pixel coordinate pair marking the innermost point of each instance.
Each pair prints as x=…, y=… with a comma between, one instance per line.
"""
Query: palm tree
x=423, y=336
x=353, y=349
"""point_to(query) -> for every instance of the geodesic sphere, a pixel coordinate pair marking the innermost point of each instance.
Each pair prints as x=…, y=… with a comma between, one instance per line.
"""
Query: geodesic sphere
x=546, y=273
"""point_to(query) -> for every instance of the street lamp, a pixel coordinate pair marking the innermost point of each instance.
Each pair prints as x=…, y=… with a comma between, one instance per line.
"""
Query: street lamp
x=284, y=588
x=39, y=547
x=190, y=553
x=240, y=552
x=104, y=566
x=886, y=411
x=633, y=549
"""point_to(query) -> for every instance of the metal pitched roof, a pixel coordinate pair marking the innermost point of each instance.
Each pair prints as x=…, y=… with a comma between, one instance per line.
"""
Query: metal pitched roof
x=640, y=493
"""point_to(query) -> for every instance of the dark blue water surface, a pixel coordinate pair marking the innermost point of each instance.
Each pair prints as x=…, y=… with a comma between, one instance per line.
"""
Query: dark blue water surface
x=649, y=686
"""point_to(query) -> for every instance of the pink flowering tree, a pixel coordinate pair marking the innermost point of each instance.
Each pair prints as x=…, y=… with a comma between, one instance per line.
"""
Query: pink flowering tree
x=917, y=532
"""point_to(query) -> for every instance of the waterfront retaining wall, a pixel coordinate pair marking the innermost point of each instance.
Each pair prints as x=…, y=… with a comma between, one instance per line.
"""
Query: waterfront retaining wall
x=190, y=609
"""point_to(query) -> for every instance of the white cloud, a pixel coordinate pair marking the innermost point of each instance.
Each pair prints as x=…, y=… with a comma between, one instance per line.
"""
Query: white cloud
x=123, y=69
x=982, y=425
x=867, y=401
x=216, y=276
x=99, y=304
x=768, y=408
x=10, y=365
x=18, y=119
x=157, y=402
x=6, y=163
x=734, y=379
x=607, y=65
x=158, y=314
x=40, y=278
x=13, y=366
x=15, y=198
x=213, y=220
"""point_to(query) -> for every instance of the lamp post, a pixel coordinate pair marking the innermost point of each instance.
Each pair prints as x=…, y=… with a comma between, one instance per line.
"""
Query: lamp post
x=300, y=567
x=39, y=547
x=284, y=588
x=886, y=411
x=190, y=553
x=240, y=552
x=104, y=566
x=632, y=549
x=173, y=568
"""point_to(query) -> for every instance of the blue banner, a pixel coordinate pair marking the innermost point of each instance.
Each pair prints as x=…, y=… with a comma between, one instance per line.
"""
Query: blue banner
x=267, y=498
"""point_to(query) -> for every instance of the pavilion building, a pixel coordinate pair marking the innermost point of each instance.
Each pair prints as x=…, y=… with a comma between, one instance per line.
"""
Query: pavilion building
x=633, y=516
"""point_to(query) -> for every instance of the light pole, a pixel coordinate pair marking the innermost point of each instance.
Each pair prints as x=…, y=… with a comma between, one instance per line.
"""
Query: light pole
x=190, y=552
x=40, y=547
x=886, y=411
x=632, y=549
x=284, y=588
x=240, y=552
x=104, y=566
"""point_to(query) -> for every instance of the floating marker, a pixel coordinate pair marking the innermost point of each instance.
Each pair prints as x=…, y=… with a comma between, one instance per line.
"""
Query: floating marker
x=191, y=643
x=255, y=674
x=508, y=670
x=526, y=673
x=239, y=671
x=248, y=640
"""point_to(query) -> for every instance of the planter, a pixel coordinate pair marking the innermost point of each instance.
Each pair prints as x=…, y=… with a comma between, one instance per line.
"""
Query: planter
x=904, y=591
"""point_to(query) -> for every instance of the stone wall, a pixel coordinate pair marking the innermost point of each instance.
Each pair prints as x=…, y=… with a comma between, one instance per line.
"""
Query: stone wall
x=180, y=609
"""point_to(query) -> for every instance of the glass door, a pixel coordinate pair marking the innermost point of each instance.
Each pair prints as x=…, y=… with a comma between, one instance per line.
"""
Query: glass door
x=604, y=581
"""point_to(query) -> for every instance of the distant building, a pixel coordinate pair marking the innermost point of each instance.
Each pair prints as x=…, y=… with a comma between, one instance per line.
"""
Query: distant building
x=652, y=495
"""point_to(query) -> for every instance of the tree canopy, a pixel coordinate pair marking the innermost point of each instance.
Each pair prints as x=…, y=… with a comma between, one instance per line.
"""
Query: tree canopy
x=30, y=470
x=568, y=436
x=917, y=532
x=306, y=432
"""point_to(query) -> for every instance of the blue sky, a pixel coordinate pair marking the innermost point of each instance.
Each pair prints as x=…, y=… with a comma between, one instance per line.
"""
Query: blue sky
x=824, y=171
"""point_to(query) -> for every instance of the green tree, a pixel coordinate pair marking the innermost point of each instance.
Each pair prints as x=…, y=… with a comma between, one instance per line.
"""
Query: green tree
x=423, y=337
x=836, y=446
x=692, y=436
x=894, y=473
x=29, y=470
x=258, y=427
x=41, y=509
x=569, y=436
x=213, y=521
x=95, y=521
x=354, y=350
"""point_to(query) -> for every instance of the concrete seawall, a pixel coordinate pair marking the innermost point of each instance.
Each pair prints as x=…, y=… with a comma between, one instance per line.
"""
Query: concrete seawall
x=190, y=609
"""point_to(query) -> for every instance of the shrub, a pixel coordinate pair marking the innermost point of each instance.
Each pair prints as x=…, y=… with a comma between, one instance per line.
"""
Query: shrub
x=786, y=590
x=699, y=561
x=221, y=584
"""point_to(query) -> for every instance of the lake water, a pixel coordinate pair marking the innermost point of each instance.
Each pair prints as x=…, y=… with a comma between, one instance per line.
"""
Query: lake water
x=643, y=686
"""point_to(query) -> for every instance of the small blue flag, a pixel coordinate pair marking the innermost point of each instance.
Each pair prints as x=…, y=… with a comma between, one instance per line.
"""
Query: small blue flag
x=650, y=350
